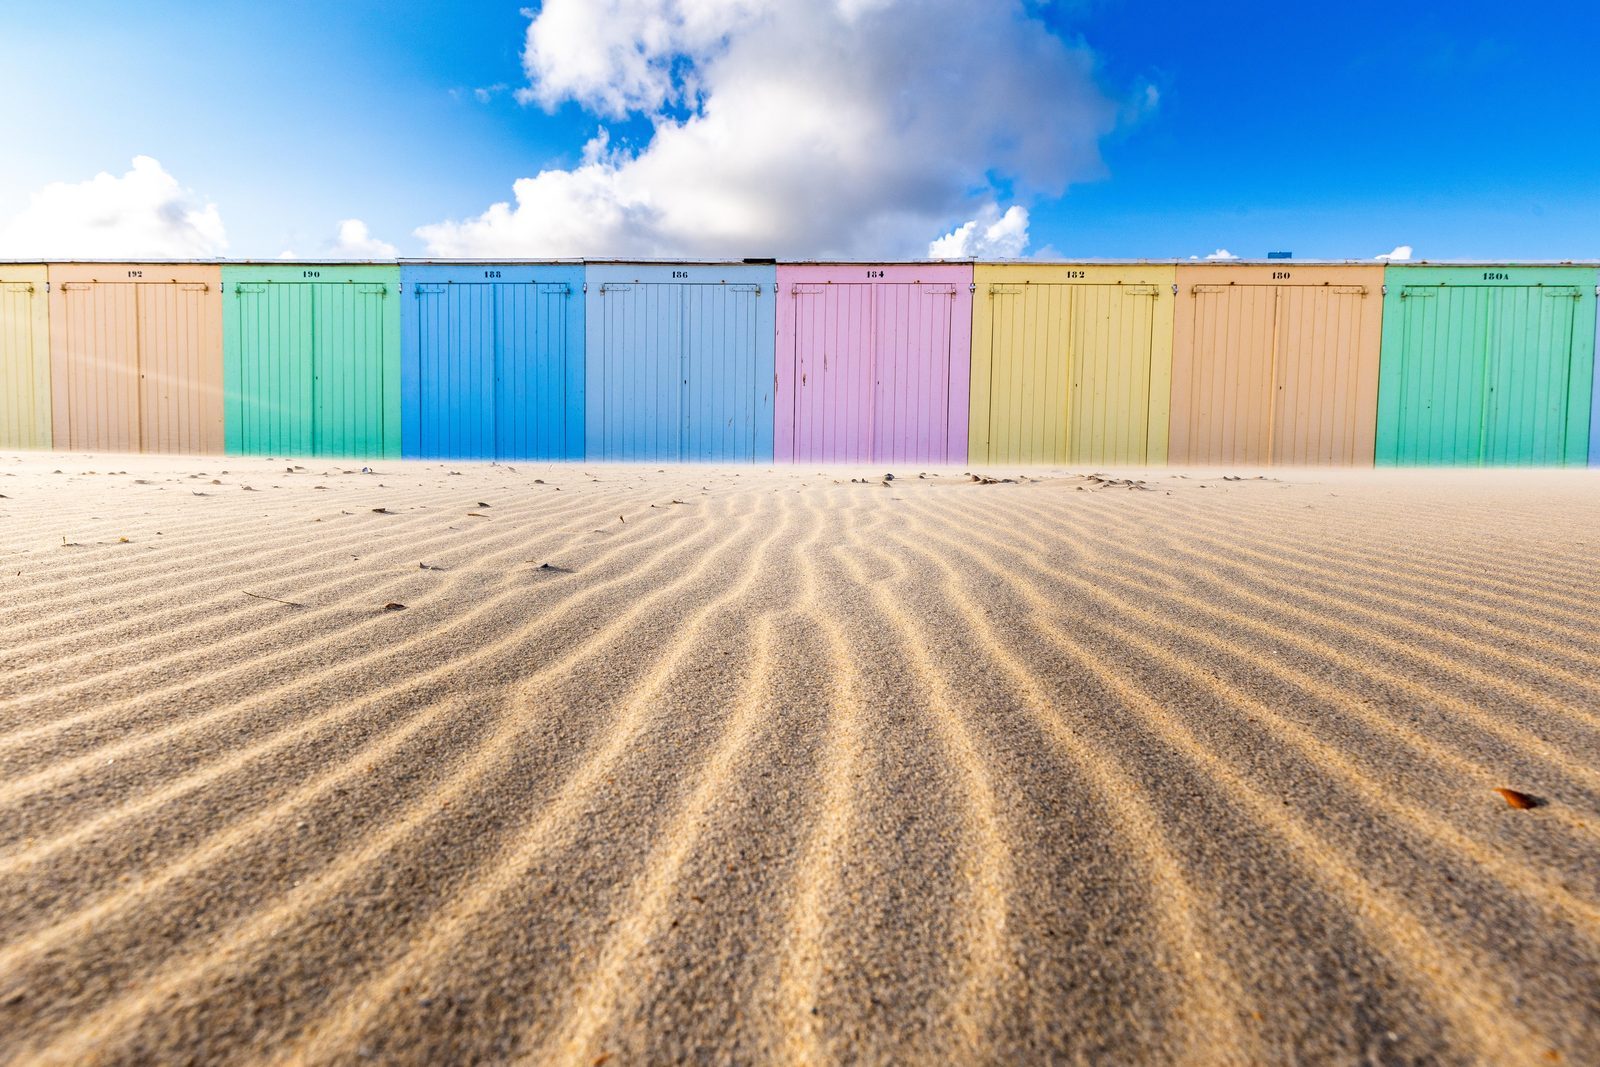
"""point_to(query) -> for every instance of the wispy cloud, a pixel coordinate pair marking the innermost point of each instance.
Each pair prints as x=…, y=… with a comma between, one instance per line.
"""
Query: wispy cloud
x=1222, y=253
x=1400, y=254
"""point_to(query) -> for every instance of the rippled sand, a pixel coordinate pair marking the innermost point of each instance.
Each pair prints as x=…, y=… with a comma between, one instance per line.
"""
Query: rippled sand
x=737, y=765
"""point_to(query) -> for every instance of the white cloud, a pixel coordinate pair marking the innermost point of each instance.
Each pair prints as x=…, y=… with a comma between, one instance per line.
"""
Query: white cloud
x=143, y=214
x=354, y=242
x=1222, y=253
x=836, y=127
x=989, y=236
x=1400, y=254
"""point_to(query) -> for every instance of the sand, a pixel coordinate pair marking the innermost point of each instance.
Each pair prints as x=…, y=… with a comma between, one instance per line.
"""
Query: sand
x=742, y=765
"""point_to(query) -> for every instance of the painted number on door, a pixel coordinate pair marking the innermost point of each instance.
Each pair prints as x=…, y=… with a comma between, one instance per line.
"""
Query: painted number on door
x=1077, y=274
x=136, y=274
x=1496, y=276
x=491, y=274
x=312, y=274
x=680, y=274
x=874, y=273
x=1280, y=275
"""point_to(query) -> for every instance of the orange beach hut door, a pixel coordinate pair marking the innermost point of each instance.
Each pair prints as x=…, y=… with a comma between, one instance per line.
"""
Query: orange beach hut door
x=136, y=357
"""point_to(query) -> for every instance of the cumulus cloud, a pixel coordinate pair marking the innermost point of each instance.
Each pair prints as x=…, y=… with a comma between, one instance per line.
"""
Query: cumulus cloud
x=1222, y=253
x=1400, y=254
x=355, y=242
x=837, y=127
x=143, y=214
x=989, y=236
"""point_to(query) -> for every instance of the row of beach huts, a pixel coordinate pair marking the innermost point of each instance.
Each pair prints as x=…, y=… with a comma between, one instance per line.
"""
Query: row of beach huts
x=1282, y=362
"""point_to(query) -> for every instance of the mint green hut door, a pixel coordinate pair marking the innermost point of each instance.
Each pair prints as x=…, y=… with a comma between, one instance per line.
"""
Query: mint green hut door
x=311, y=367
x=1486, y=367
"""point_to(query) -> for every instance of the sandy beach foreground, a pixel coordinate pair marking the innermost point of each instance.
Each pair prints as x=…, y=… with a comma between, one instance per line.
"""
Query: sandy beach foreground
x=586, y=764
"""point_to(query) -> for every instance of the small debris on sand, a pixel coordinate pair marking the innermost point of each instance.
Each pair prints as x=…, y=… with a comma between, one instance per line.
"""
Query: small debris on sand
x=1515, y=798
x=274, y=599
x=1118, y=483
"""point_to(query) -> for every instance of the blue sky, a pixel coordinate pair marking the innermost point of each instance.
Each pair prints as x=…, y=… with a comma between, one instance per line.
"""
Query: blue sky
x=1328, y=130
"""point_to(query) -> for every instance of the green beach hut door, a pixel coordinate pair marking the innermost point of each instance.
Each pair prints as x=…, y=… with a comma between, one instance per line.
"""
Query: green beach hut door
x=1484, y=376
x=312, y=360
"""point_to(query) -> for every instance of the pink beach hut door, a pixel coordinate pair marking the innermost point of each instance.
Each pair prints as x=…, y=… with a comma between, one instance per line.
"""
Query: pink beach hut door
x=832, y=372
x=911, y=401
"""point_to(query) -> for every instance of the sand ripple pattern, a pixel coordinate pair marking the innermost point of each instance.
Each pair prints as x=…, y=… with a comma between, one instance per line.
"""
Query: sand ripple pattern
x=718, y=765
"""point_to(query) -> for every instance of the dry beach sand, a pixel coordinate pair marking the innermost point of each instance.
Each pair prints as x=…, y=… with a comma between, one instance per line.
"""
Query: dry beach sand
x=739, y=765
